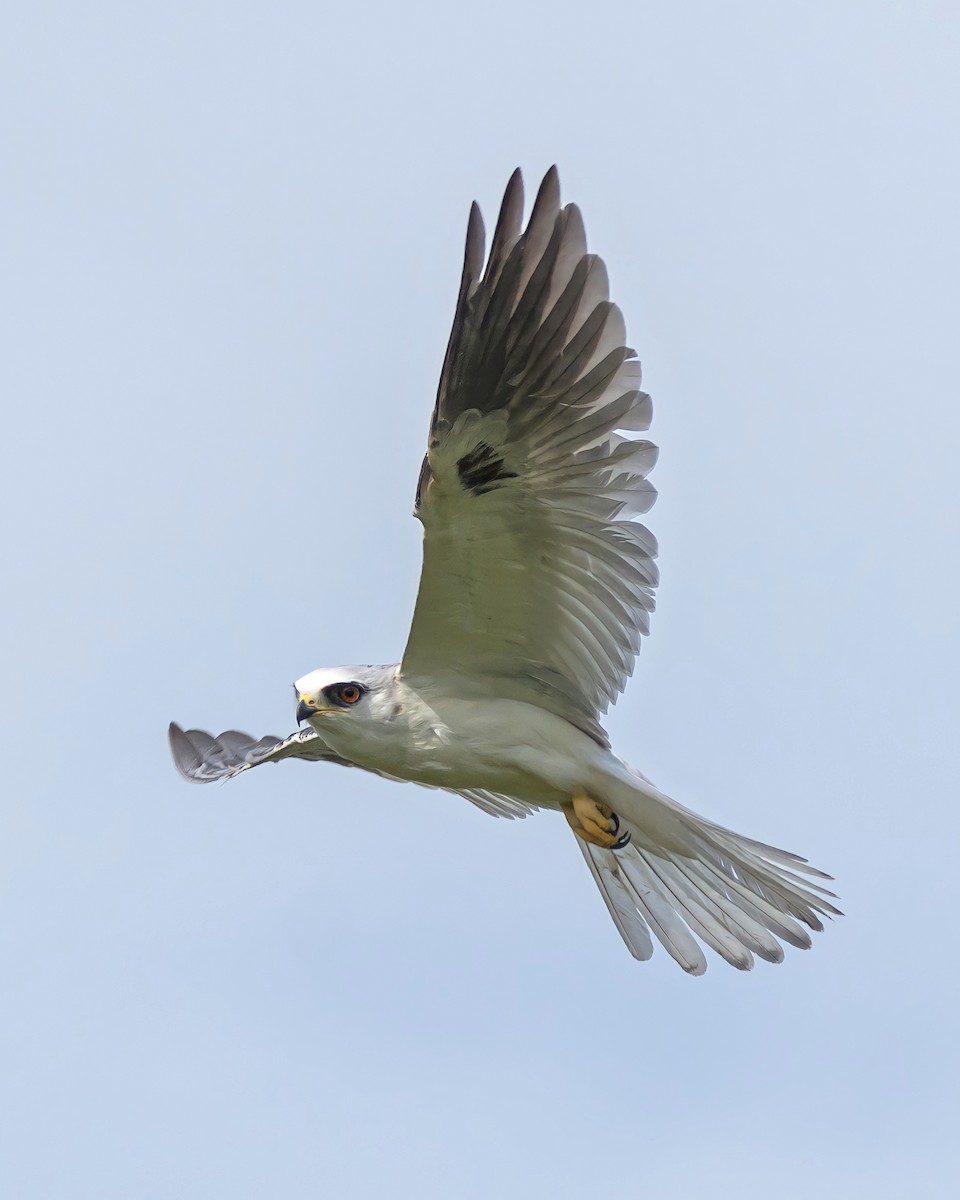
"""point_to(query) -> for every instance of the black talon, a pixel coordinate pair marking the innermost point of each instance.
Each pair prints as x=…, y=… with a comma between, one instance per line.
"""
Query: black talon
x=622, y=841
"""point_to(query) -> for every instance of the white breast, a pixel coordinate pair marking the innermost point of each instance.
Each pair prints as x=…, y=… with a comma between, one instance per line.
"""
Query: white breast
x=441, y=740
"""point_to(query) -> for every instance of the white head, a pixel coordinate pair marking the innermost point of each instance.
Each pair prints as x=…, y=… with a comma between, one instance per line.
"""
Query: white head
x=343, y=692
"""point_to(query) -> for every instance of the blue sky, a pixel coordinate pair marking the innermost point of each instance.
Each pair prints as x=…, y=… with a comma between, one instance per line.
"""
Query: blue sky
x=231, y=241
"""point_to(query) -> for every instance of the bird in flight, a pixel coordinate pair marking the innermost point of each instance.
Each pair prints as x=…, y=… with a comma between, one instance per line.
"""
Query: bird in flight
x=537, y=586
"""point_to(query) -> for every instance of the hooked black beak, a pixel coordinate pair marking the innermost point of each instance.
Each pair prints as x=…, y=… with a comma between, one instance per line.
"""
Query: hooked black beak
x=305, y=711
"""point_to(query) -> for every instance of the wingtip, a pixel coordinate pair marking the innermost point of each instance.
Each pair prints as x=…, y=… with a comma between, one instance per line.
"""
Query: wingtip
x=475, y=243
x=548, y=195
x=185, y=757
x=511, y=207
x=575, y=227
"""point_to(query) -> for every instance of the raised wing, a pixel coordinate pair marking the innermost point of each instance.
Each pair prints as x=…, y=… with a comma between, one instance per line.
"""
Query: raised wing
x=202, y=758
x=536, y=582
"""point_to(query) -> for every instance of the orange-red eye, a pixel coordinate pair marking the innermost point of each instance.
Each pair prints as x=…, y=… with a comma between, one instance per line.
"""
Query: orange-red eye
x=349, y=693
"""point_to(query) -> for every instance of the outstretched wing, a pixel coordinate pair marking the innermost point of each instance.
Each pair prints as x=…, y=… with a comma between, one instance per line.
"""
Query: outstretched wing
x=202, y=758
x=536, y=582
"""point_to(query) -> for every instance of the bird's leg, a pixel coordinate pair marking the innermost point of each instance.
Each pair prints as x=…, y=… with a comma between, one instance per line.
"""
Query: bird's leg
x=595, y=821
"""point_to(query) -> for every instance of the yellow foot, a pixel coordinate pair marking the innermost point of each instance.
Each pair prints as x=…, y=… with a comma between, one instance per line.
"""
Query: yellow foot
x=595, y=822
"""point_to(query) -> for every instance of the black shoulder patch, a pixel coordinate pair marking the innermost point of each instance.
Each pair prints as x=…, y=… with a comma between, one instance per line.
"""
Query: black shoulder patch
x=482, y=469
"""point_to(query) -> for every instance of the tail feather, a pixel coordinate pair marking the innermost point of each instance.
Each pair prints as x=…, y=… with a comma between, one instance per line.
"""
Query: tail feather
x=618, y=897
x=665, y=922
x=738, y=896
x=765, y=914
x=733, y=935
x=786, y=858
x=782, y=889
x=695, y=914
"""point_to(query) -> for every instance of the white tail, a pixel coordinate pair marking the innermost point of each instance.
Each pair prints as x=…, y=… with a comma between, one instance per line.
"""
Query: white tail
x=682, y=875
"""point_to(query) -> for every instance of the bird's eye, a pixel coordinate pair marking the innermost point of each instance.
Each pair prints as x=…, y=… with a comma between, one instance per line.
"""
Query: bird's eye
x=348, y=693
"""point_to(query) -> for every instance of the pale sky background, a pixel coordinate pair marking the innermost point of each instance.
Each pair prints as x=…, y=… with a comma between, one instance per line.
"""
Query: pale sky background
x=231, y=240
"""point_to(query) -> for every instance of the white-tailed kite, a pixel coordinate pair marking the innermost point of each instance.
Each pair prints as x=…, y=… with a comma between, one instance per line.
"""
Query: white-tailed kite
x=537, y=585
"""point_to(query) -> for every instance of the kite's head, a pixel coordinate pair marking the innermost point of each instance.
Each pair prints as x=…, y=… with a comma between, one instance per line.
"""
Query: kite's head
x=339, y=691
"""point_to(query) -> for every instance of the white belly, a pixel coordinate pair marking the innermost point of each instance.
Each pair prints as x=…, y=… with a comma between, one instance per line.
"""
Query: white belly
x=503, y=746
